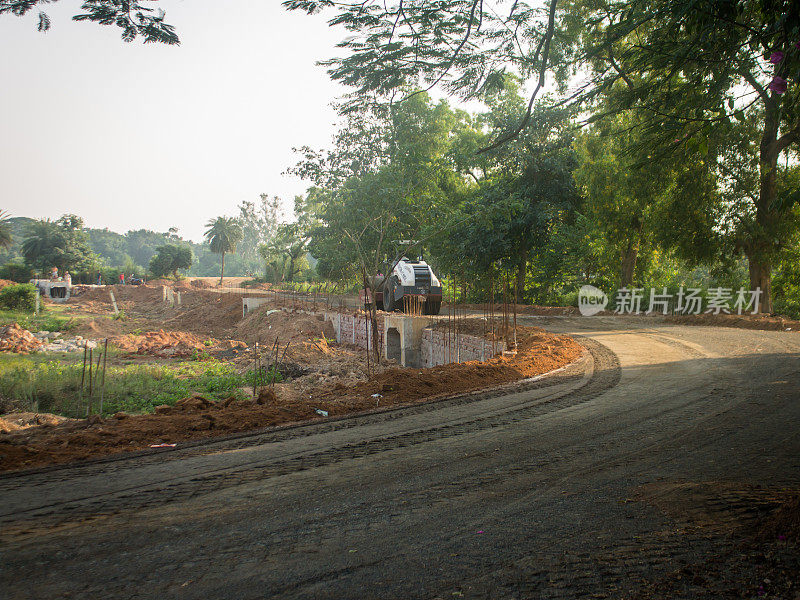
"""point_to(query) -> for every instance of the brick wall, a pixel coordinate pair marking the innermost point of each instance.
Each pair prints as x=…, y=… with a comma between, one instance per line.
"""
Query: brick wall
x=439, y=349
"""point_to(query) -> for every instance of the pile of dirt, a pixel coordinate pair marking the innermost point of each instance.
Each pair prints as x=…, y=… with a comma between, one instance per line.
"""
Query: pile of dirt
x=211, y=313
x=200, y=283
x=267, y=323
x=159, y=282
x=172, y=344
x=6, y=283
x=14, y=338
x=764, y=322
x=25, y=420
x=100, y=327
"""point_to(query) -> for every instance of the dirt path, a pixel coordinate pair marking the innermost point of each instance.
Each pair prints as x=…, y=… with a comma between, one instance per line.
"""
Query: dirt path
x=567, y=487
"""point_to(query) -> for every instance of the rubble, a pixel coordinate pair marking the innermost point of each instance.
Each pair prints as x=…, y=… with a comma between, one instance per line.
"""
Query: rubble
x=53, y=342
x=14, y=338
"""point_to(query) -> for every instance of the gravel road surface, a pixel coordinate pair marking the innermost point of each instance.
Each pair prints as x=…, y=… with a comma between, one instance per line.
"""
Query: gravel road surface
x=554, y=488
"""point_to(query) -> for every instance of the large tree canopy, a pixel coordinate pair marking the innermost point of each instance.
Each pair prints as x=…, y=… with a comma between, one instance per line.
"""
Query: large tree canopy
x=171, y=258
x=63, y=244
x=688, y=69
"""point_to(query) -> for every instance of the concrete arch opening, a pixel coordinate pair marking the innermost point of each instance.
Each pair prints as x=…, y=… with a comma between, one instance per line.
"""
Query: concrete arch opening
x=393, y=344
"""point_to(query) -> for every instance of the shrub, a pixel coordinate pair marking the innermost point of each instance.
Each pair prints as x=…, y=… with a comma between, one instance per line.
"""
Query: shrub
x=18, y=297
x=16, y=272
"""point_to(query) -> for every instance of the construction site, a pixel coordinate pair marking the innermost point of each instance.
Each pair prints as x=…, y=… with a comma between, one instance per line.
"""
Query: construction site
x=176, y=411
x=302, y=357
x=400, y=300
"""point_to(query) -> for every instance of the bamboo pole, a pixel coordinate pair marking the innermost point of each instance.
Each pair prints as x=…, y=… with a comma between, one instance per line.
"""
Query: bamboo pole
x=255, y=368
x=103, y=383
x=275, y=365
x=89, y=396
x=366, y=335
x=83, y=374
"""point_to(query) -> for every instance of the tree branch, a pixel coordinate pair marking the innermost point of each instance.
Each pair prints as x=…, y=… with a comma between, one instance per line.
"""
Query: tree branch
x=542, y=70
x=788, y=138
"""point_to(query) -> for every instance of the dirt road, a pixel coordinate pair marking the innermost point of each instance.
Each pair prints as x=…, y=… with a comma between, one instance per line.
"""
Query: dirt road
x=560, y=488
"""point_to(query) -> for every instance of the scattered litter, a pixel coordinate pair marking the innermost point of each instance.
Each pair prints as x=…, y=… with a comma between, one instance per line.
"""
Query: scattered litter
x=377, y=396
x=163, y=445
x=480, y=531
x=319, y=411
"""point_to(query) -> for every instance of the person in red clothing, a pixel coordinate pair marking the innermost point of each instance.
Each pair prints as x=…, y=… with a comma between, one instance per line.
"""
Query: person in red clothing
x=122, y=278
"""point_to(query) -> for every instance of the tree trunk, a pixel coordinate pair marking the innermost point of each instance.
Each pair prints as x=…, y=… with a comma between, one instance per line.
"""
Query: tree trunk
x=761, y=246
x=629, y=256
x=631, y=253
x=222, y=270
x=761, y=278
x=373, y=316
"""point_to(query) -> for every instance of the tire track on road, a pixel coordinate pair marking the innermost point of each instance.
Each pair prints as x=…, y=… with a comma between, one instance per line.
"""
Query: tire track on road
x=606, y=374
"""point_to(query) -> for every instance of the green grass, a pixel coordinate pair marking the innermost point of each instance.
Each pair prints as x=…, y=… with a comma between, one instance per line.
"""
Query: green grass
x=54, y=385
x=47, y=321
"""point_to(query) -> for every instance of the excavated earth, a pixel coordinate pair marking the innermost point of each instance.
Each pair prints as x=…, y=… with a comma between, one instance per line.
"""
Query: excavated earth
x=194, y=418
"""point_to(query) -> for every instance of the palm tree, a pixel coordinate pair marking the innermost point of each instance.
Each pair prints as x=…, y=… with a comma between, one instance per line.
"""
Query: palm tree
x=42, y=245
x=5, y=230
x=223, y=234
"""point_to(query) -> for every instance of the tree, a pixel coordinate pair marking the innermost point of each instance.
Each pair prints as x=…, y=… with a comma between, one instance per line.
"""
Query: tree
x=259, y=223
x=524, y=188
x=639, y=204
x=63, y=244
x=689, y=68
x=695, y=69
x=171, y=258
x=6, y=238
x=223, y=234
x=129, y=15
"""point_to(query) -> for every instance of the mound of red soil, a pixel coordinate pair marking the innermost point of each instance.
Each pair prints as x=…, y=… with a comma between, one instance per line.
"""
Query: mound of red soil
x=24, y=420
x=209, y=312
x=6, y=283
x=192, y=418
x=14, y=338
x=264, y=325
x=160, y=282
x=171, y=344
x=538, y=352
x=200, y=283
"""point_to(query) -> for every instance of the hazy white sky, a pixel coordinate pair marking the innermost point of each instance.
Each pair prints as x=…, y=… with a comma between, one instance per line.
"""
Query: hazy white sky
x=149, y=136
